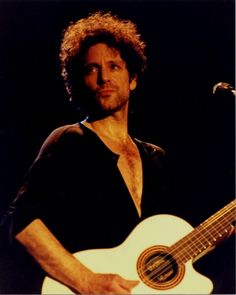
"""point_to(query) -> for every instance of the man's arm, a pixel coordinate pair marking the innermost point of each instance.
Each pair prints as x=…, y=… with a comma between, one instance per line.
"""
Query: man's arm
x=64, y=267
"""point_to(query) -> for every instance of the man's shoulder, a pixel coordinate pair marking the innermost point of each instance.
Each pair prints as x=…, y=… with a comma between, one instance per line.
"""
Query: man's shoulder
x=62, y=135
x=74, y=129
x=151, y=149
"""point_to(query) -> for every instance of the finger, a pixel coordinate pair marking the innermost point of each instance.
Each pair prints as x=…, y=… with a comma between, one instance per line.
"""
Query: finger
x=133, y=283
x=129, y=284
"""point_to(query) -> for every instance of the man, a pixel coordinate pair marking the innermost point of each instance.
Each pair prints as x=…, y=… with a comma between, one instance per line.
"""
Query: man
x=92, y=182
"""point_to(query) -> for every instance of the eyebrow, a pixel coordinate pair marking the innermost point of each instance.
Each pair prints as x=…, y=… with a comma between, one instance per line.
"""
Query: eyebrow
x=95, y=64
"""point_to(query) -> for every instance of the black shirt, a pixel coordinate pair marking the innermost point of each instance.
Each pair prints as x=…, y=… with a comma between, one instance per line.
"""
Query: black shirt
x=76, y=189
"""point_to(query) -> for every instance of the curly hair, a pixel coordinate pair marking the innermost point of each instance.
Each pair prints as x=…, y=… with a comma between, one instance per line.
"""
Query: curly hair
x=99, y=28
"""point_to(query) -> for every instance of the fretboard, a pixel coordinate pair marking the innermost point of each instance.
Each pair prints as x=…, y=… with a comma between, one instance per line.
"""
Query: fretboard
x=205, y=235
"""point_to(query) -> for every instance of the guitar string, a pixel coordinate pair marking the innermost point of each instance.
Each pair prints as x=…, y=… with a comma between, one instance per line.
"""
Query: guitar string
x=187, y=240
x=167, y=265
x=204, y=227
x=213, y=233
x=221, y=217
x=164, y=269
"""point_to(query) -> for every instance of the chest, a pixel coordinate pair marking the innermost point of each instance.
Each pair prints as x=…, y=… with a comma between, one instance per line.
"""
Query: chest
x=130, y=167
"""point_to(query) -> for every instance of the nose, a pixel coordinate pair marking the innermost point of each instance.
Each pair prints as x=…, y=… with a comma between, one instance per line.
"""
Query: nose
x=103, y=75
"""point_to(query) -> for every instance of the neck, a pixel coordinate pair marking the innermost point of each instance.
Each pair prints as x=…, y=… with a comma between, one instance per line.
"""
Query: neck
x=114, y=127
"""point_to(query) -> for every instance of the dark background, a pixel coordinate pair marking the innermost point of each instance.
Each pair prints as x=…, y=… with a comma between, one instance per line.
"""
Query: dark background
x=190, y=48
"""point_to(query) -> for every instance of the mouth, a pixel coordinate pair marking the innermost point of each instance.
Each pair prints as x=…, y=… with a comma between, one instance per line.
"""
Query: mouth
x=105, y=92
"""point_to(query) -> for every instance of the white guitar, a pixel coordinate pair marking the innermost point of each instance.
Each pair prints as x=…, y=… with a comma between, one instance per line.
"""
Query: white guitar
x=159, y=253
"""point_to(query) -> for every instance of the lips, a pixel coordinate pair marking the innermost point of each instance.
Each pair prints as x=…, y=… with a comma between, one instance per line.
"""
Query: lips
x=104, y=92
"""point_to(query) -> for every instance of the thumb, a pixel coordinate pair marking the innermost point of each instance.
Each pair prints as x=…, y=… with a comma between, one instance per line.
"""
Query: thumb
x=132, y=283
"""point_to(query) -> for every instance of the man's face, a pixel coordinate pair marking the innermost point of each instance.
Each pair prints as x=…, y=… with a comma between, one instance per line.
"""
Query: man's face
x=106, y=80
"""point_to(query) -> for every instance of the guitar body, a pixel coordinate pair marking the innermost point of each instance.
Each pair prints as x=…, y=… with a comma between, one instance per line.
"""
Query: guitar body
x=135, y=259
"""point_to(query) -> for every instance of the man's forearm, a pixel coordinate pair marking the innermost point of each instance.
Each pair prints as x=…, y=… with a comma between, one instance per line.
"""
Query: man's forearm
x=52, y=256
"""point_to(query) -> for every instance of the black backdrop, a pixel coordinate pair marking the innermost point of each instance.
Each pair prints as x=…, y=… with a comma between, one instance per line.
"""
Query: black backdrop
x=190, y=48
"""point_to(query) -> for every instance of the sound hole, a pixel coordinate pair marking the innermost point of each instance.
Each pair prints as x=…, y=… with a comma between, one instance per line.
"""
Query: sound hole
x=158, y=269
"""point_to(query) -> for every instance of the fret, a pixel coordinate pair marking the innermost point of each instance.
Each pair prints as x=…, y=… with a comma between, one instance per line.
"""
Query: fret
x=205, y=235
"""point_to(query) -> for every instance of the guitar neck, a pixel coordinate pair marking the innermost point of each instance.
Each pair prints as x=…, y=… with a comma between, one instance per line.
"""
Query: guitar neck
x=206, y=235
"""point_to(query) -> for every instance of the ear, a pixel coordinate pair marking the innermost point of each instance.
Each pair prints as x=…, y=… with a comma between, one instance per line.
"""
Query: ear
x=133, y=82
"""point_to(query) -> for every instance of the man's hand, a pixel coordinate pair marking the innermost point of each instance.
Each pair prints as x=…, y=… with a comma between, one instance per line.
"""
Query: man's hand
x=108, y=284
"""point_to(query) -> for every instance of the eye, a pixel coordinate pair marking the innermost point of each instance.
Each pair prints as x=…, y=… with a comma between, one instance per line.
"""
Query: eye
x=90, y=69
x=114, y=66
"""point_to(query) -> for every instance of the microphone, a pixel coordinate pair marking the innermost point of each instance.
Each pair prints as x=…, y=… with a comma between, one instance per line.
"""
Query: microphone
x=223, y=86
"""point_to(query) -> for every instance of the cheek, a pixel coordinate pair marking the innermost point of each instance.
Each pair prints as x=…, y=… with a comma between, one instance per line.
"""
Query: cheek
x=90, y=82
x=124, y=82
x=125, y=90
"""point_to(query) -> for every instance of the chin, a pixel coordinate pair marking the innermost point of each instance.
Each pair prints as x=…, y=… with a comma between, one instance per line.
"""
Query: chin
x=102, y=112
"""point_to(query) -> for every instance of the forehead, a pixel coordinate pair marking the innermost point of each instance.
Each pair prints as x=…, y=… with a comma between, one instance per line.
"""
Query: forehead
x=100, y=52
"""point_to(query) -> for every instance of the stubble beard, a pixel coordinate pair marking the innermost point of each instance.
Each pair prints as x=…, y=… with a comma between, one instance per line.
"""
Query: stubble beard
x=111, y=104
